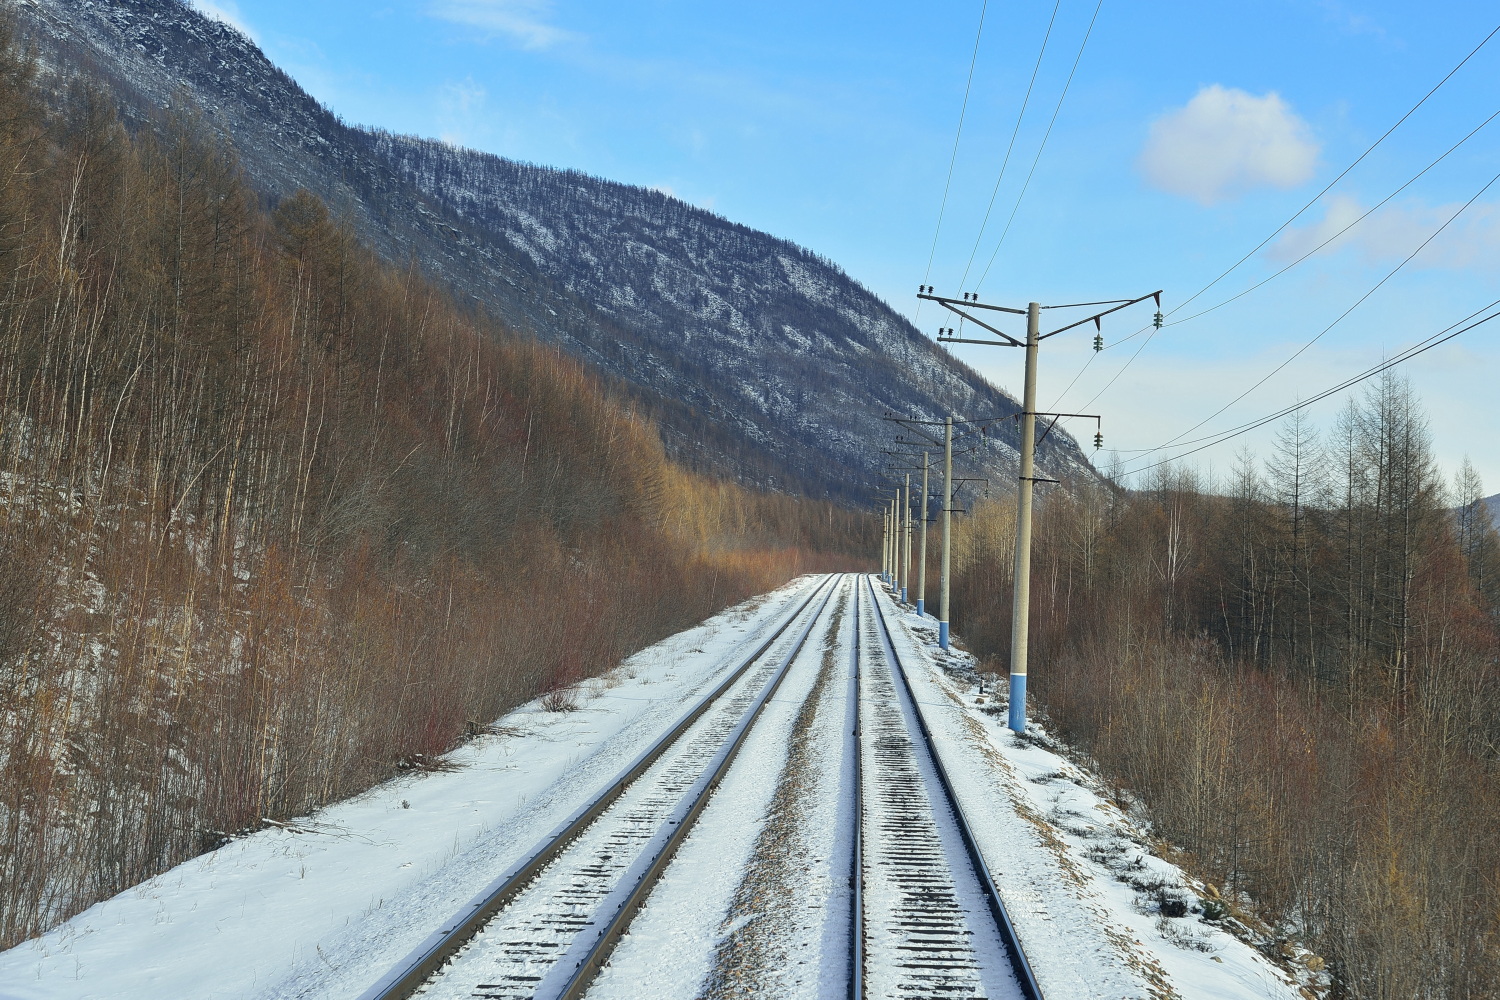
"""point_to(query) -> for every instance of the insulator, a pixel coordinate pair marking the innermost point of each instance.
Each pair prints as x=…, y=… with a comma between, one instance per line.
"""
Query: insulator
x=1098, y=440
x=1157, y=320
x=1098, y=342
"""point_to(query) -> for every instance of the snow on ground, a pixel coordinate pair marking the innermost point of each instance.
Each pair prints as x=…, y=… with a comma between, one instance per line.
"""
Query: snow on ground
x=323, y=906
x=1089, y=900
x=673, y=944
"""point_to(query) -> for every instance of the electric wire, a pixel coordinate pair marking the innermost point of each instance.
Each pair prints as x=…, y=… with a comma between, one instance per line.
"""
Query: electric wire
x=1412, y=351
x=1371, y=211
x=1153, y=330
x=1247, y=291
x=1045, y=136
x=1358, y=302
x=1424, y=346
x=1343, y=173
x=1004, y=163
x=953, y=158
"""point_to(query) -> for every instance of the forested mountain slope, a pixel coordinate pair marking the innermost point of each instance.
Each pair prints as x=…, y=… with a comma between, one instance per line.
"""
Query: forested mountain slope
x=755, y=355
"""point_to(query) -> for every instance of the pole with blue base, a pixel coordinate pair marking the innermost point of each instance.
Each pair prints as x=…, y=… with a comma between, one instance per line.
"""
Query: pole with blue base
x=904, y=537
x=1020, y=609
x=885, y=544
x=922, y=548
x=947, y=526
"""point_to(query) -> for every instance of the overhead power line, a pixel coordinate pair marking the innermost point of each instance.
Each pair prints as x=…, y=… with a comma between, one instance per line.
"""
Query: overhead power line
x=1358, y=302
x=1038, y=158
x=1152, y=331
x=1025, y=102
x=1371, y=211
x=1437, y=339
x=1343, y=173
x=958, y=134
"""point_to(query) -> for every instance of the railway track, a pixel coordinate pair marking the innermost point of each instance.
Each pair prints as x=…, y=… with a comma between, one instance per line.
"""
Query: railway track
x=545, y=928
x=925, y=918
x=934, y=924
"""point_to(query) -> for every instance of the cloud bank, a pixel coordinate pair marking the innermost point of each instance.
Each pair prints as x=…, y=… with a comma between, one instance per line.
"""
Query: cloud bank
x=1225, y=142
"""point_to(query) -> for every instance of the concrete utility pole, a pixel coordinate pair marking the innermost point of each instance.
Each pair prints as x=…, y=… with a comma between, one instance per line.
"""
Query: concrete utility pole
x=1020, y=617
x=885, y=542
x=890, y=543
x=903, y=537
x=922, y=548
x=947, y=529
x=917, y=427
x=1021, y=605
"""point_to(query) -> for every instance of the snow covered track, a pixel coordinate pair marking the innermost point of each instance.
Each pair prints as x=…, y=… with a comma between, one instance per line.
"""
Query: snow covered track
x=545, y=928
x=933, y=924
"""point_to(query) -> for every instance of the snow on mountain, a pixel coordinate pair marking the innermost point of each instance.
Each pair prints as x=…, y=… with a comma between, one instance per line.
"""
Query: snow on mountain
x=755, y=355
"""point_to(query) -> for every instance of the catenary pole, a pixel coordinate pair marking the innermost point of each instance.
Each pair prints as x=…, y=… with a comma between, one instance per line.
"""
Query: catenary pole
x=885, y=539
x=890, y=534
x=1021, y=608
x=902, y=536
x=922, y=548
x=966, y=308
x=947, y=528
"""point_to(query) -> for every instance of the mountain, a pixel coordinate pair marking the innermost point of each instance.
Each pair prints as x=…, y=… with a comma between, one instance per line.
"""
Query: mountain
x=1494, y=504
x=755, y=356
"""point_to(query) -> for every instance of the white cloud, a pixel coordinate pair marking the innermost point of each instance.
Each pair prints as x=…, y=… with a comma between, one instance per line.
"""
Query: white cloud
x=226, y=11
x=524, y=21
x=1471, y=242
x=1225, y=142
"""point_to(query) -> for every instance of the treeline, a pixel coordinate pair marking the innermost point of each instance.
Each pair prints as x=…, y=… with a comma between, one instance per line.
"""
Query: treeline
x=277, y=519
x=1296, y=670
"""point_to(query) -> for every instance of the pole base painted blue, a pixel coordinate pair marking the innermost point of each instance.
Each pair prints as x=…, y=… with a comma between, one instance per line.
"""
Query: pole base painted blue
x=920, y=604
x=903, y=595
x=943, y=634
x=1018, y=702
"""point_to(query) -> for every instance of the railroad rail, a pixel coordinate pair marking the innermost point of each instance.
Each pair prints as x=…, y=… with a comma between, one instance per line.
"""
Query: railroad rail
x=922, y=867
x=587, y=878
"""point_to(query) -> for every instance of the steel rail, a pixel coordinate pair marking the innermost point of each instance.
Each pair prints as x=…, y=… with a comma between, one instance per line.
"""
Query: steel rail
x=427, y=958
x=1020, y=965
x=857, y=851
x=598, y=952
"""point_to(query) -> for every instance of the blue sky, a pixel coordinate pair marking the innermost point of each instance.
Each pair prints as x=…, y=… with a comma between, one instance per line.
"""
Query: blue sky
x=1190, y=132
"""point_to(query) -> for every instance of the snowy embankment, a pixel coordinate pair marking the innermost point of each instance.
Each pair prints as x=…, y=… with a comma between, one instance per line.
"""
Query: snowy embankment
x=756, y=902
x=1099, y=914
x=336, y=898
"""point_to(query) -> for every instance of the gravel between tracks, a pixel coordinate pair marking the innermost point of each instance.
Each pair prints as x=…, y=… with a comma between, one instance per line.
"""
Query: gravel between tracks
x=756, y=956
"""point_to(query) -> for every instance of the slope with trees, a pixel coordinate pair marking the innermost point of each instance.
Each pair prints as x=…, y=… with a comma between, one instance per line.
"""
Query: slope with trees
x=277, y=518
x=752, y=354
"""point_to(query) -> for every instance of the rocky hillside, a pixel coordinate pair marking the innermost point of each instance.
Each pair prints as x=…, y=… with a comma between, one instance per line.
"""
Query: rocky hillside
x=756, y=356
